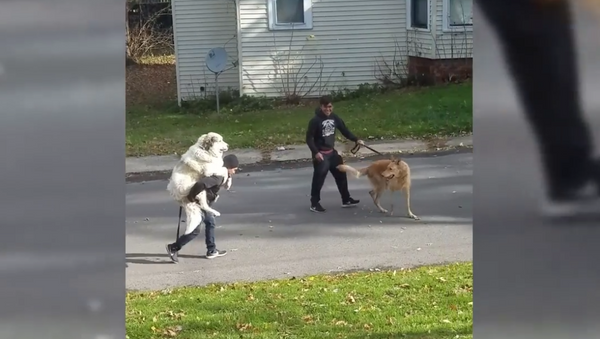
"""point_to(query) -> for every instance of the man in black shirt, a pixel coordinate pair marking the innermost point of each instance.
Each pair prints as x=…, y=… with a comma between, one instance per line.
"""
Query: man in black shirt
x=320, y=138
x=539, y=46
x=211, y=185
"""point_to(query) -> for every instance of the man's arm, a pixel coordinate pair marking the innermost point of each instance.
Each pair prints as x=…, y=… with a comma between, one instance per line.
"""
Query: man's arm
x=202, y=185
x=310, y=136
x=339, y=123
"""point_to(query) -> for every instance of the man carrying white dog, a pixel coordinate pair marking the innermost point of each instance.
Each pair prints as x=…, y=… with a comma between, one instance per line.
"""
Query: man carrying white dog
x=207, y=187
x=203, y=159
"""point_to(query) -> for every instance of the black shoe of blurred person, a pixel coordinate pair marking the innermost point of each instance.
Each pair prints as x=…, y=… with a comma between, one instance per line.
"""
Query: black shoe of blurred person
x=575, y=199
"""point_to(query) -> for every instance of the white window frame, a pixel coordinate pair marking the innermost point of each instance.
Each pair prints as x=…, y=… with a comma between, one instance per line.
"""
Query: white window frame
x=272, y=14
x=446, y=21
x=409, y=17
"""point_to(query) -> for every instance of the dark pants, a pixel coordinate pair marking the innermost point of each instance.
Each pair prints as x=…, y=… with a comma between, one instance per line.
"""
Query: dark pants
x=209, y=234
x=321, y=168
x=538, y=44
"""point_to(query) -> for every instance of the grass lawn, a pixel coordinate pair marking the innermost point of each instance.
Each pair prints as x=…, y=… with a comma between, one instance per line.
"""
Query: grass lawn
x=426, y=303
x=428, y=112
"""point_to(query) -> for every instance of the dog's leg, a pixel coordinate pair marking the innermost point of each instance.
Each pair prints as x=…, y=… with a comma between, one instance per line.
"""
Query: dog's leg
x=376, y=194
x=202, y=201
x=407, y=194
x=392, y=202
x=228, y=183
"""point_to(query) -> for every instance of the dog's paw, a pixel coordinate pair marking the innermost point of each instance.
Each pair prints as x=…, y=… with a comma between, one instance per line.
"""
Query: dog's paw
x=383, y=211
x=412, y=216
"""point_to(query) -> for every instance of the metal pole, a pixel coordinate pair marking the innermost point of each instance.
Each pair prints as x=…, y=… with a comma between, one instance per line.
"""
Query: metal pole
x=217, y=90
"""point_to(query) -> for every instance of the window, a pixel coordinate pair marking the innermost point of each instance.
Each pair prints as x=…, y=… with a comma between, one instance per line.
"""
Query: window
x=290, y=14
x=418, y=14
x=459, y=14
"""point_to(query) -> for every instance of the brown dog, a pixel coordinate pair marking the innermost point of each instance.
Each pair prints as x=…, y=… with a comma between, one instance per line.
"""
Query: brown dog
x=392, y=175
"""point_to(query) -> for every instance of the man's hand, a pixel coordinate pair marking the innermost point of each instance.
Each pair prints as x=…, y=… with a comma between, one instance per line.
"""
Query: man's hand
x=319, y=156
x=360, y=142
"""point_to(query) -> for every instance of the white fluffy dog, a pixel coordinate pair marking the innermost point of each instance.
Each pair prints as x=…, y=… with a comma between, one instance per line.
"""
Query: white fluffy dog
x=203, y=159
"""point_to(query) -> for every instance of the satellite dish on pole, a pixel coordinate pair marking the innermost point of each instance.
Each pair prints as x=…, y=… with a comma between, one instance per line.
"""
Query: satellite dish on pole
x=216, y=61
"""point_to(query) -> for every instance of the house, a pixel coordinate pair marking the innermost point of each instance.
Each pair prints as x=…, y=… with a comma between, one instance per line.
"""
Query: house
x=311, y=47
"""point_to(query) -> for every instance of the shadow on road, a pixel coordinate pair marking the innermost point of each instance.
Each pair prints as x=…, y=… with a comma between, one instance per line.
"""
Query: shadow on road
x=155, y=258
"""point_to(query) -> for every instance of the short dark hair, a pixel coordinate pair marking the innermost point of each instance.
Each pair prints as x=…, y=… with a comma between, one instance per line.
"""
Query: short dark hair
x=325, y=100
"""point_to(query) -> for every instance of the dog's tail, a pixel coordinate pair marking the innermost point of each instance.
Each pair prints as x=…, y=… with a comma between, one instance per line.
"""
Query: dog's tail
x=355, y=172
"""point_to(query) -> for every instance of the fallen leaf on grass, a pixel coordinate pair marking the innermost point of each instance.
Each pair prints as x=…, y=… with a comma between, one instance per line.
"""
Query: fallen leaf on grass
x=340, y=323
x=308, y=319
x=172, y=331
x=243, y=327
x=176, y=316
x=350, y=299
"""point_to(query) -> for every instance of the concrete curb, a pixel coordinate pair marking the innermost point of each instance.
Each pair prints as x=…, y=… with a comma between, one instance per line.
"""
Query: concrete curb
x=298, y=153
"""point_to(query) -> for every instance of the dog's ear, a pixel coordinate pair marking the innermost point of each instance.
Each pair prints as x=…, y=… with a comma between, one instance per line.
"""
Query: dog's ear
x=206, y=141
x=214, y=137
x=396, y=161
x=201, y=140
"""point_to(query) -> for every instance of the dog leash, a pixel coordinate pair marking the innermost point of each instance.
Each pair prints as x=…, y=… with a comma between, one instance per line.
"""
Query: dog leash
x=178, y=222
x=357, y=147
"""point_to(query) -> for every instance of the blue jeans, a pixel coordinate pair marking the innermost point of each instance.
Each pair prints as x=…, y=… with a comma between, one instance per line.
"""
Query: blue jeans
x=209, y=234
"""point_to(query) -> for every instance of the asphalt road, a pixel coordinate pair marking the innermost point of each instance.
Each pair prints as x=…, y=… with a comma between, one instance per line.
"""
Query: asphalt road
x=270, y=233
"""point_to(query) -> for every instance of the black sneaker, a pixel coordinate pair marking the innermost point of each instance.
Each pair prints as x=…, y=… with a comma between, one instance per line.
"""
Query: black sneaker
x=215, y=253
x=573, y=201
x=172, y=253
x=350, y=203
x=317, y=208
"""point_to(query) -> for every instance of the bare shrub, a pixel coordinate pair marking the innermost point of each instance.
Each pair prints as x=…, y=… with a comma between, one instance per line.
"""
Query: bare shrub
x=451, y=48
x=144, y=39
x=394, y=72
x=299, y=72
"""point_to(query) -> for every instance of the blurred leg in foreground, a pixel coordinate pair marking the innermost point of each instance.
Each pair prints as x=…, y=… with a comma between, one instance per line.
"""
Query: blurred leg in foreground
x=539, y=47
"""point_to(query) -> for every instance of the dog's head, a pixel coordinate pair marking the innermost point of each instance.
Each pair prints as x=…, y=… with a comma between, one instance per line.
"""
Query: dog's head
x=393, y=169
x=213, y=143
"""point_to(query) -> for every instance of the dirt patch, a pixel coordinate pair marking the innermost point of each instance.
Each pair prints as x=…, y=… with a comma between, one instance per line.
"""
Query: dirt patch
x=150, y=84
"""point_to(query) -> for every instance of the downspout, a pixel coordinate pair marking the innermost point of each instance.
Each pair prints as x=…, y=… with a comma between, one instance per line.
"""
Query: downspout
x=239, y=46
x=434, y=16
x=176, y=48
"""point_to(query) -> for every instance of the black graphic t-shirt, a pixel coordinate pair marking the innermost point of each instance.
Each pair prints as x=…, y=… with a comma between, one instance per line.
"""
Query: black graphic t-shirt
x=320, y=135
